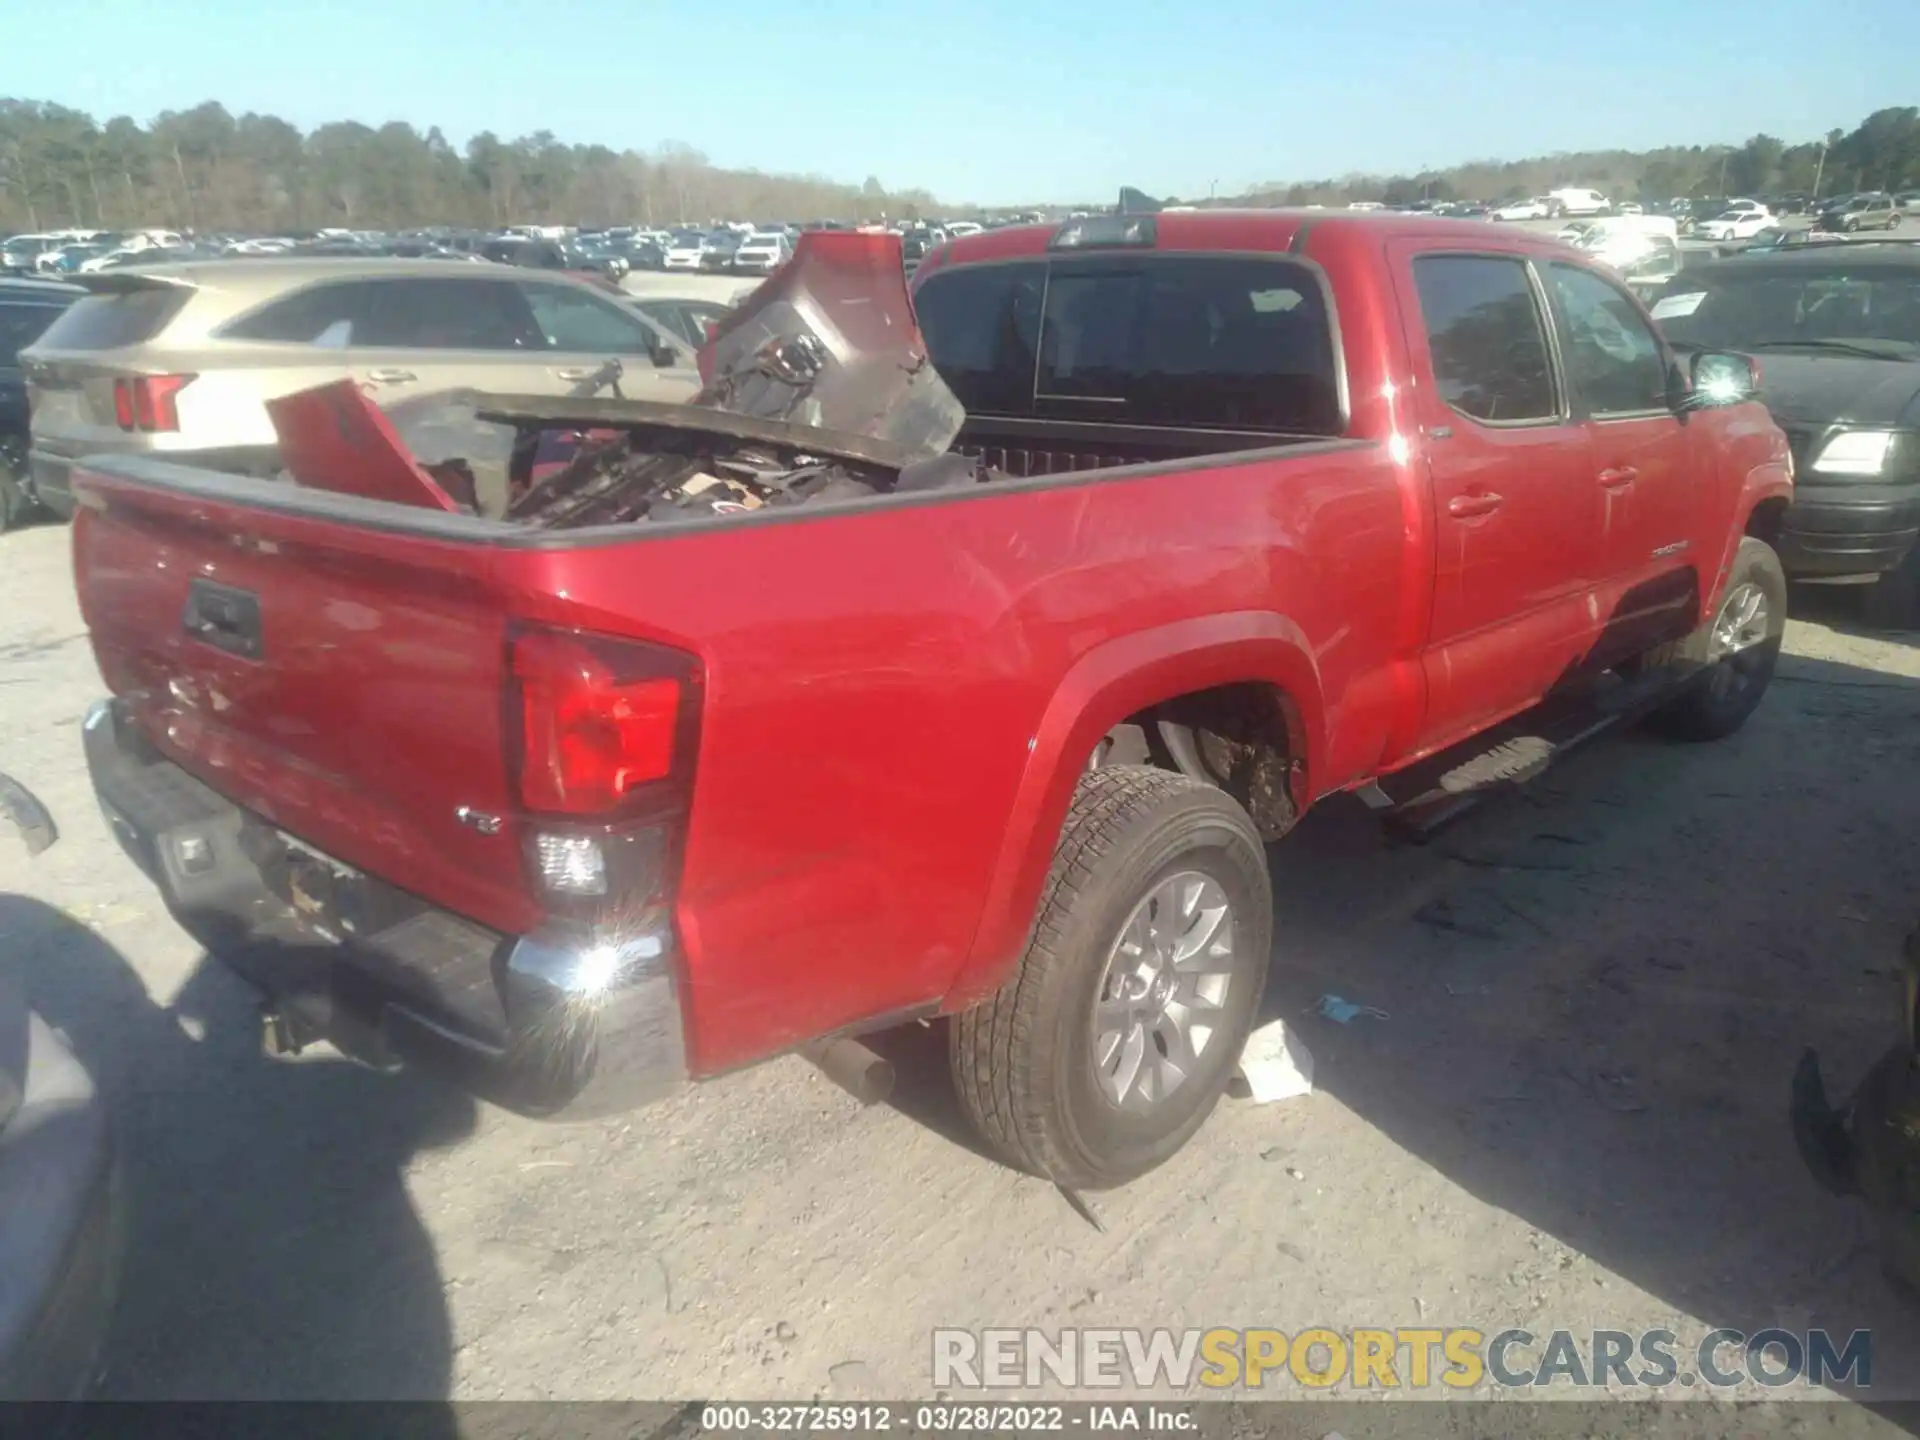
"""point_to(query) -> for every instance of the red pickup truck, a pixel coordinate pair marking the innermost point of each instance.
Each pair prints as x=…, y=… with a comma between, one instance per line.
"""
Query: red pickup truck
x=866, y=689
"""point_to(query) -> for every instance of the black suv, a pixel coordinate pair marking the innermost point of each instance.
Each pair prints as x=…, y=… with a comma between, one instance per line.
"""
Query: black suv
x=1872, y=211
x=27, y=307
x=1837, y=328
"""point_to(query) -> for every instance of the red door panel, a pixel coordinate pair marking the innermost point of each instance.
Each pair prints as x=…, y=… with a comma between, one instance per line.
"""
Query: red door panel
x=1518, y=554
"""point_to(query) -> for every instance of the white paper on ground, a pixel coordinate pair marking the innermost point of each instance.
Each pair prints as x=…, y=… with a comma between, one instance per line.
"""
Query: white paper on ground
x=1276, y=1064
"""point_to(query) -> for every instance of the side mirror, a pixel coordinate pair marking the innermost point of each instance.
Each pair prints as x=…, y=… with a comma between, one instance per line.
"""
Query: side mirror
x=1719, y=377
x=665, y=357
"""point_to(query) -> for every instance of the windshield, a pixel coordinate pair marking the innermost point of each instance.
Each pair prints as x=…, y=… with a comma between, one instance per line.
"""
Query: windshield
x=1759, y=309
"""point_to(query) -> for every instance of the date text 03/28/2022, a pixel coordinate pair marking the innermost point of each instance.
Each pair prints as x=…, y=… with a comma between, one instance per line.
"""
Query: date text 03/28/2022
x=958, y=1417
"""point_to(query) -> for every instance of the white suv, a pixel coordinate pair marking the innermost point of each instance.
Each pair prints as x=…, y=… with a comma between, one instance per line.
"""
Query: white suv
x=1573, y=201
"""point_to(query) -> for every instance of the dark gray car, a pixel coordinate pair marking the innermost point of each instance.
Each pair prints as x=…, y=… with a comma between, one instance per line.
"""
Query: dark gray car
x=1837, y=330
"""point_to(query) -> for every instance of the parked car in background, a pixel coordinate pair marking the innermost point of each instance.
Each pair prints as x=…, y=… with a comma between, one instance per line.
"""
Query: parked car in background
x=27, y=308
x=178, y=361
x=1575, y=200
x=1873, y=210
x=1538, y=208
x=20, y=252
x=916, y=245
x=686, y=305
x=1735, y=225
x=1837, y=329
x=686, y=252
x=643, y=252
x=1776, y=237
x=260, y=245
x=721, y=247
x=1644, y=250
x=762, y=253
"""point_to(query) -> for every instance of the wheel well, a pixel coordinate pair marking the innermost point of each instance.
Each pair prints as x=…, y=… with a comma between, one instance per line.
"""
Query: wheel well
x=1245, y=738
x=1767, y=520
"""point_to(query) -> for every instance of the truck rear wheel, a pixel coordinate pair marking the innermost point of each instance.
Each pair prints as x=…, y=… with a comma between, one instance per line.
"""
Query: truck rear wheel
x=1723, y=668
x=1115, y=1036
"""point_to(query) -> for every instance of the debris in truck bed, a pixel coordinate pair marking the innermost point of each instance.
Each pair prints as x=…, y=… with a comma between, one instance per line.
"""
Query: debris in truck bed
x=645, y=476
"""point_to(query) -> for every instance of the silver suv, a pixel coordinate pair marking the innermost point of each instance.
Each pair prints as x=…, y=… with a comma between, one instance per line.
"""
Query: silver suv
x=179, y=360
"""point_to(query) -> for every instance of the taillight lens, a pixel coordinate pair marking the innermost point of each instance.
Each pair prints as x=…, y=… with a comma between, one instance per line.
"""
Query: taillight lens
x=148, y=402
x=603, y=723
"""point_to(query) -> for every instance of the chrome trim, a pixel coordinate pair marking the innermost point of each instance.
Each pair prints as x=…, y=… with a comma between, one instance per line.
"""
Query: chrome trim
x=588, y=969
x=595, y=1022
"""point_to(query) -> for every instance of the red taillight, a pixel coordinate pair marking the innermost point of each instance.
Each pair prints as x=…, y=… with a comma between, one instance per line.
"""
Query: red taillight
x=148, y=402
x=598, y=718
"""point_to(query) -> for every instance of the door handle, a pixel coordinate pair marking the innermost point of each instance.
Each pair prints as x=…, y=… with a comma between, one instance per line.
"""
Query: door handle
x=579, y=372
x=1618, y=477
x=1480, y=502
x=389, y=375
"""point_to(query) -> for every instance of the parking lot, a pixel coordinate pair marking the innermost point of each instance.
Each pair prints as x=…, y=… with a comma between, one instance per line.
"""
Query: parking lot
x=1569, y=1111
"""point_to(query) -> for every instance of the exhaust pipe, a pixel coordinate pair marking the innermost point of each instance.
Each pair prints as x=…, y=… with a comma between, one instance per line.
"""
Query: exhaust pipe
x=860, y=1071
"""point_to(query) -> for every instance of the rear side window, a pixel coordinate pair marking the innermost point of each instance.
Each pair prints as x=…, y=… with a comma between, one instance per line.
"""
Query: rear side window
x=412, y=313
x=108, y=322
x=1195, y=341
x=572, y=320
x=1485, y=336
x=22, y=323
x=982, y=327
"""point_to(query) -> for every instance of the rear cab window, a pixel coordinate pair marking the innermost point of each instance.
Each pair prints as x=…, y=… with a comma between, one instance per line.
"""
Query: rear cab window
x=1174, y=339
x=117, y=319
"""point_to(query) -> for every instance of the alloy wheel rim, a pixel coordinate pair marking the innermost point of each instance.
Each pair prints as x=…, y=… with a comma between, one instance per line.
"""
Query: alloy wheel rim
x=1736, y=649
x=1162, y=996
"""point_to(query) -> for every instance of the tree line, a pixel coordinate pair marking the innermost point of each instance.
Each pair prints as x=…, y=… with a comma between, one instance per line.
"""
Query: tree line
x=1881, y=153
x=210, y=171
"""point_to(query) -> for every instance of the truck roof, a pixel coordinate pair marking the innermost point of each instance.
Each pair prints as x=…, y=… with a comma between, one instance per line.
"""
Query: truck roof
x=1256, y=230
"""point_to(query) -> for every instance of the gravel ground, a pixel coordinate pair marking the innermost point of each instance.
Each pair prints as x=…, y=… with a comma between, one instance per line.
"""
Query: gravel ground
x=1572, y=1112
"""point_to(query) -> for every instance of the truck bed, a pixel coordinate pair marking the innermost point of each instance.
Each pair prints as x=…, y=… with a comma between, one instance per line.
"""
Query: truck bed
x=1030, y=449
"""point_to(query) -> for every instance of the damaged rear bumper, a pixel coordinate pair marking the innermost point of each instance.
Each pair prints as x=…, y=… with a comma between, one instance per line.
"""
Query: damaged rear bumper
x=548, y=1024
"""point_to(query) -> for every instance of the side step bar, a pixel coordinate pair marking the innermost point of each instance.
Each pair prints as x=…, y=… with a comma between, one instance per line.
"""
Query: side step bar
x=1418, y=802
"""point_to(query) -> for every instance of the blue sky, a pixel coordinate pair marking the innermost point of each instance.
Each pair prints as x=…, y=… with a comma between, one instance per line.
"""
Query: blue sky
x=1003, y=101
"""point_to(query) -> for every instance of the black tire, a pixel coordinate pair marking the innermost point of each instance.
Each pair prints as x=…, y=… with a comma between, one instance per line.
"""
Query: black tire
x=1023, y=1061
x=1893, y=601
x=1717, y=695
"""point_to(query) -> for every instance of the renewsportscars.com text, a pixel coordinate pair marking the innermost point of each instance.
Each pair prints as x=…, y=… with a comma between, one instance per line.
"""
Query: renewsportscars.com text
x=1394, y=1359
